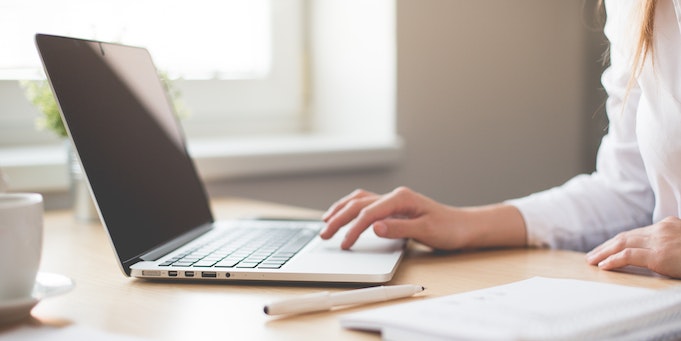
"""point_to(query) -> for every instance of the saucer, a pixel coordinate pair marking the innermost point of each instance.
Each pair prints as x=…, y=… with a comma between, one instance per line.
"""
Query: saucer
x=46, y=285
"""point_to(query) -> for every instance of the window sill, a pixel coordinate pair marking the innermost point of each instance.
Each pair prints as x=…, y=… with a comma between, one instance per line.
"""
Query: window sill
x=43, y=168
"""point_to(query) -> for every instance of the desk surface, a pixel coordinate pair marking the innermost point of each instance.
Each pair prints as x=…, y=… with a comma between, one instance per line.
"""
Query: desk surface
x=107, y=300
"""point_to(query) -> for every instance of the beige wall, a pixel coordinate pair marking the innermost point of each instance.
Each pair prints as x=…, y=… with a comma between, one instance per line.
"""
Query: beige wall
x=496, y=99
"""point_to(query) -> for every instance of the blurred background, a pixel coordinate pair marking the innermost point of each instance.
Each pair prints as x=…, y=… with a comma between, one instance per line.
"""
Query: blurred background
x=494, y=100
x=480, y=101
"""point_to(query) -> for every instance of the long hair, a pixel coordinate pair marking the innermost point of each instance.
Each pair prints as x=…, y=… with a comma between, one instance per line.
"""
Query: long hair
x=645, y=18
x=644, y=46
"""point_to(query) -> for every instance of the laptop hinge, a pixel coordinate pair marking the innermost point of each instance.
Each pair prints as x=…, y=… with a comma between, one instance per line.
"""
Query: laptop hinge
x=172, y=245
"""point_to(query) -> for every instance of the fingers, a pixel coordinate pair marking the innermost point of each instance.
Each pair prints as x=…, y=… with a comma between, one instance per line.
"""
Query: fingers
x=401, y=202
x=408, y=228
x=635, y=257
x=361, y=209
x=656, y=247
x=340, y=204
x=399, y=228
x=364, y=214
x=345, y=210
x=627, y=248
x=631, y=239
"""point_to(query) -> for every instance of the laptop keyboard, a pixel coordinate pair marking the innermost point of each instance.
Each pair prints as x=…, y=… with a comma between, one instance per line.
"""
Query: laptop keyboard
x=243, y=247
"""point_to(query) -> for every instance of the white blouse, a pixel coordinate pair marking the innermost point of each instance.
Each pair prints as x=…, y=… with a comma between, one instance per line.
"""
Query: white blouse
x=637, y=180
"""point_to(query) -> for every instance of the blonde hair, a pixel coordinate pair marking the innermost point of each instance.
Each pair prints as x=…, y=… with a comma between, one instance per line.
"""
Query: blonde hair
x=644, y=46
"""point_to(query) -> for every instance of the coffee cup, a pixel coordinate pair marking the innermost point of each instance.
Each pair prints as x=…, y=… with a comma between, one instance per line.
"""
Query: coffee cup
x=21, y=236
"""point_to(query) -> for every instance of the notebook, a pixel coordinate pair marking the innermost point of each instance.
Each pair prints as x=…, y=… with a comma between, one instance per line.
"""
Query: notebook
x=537, y=308
x=149, y=196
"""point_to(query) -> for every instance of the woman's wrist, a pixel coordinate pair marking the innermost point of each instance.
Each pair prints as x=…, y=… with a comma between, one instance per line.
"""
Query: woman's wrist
x=498, y=225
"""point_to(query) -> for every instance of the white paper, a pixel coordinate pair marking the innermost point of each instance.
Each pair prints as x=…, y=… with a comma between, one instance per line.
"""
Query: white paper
x=537, y=308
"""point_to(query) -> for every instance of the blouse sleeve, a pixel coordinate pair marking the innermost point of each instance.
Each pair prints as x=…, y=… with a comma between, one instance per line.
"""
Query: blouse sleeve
x=589, y=209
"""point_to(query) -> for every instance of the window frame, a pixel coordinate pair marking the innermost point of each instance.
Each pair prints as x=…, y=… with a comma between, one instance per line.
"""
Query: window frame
x=215, y=106
x=350, y=119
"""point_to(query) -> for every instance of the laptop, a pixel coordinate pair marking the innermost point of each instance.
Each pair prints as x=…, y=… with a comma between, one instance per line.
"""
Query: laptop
x=149, y=195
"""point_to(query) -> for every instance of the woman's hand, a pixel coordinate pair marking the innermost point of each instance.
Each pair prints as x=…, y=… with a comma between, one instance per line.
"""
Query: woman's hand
x=404, y=213
x=656, y=247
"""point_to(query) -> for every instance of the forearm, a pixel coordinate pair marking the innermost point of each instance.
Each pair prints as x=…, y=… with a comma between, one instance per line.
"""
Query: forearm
x=498, y=225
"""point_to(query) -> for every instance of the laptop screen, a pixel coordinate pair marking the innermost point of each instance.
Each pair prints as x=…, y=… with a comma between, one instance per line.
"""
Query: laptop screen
x=129, y=142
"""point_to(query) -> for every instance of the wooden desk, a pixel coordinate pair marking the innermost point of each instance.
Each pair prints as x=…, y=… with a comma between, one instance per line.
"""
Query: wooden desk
x=107, y=300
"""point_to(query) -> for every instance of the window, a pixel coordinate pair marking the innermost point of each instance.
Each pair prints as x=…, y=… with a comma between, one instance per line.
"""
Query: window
x=207, y=39
x=322, y=97
x=227, y=54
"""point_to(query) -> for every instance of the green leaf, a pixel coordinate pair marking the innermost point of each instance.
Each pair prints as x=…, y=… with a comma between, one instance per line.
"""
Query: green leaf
x=40, y=94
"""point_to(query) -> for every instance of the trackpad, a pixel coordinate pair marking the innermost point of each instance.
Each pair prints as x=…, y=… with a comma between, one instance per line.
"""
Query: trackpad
x=368, y=242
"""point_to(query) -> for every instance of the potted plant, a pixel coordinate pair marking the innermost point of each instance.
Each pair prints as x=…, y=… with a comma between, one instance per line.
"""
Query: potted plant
x=40, y=94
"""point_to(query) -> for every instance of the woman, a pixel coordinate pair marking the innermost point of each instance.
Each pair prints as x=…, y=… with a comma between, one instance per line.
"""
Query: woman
x=626, y=213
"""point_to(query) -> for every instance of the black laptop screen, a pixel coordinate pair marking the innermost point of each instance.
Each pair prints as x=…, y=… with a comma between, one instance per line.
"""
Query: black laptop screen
x=129, y=142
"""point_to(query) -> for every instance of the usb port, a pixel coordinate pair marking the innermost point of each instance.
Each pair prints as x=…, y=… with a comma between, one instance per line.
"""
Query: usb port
x=209, y=274
x=172, y=273
x=189, y=274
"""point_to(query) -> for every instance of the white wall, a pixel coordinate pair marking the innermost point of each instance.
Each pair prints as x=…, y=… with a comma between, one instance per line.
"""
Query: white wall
x=495, y=99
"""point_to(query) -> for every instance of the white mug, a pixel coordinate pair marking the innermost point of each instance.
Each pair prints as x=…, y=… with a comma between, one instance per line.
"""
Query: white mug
x=21, y=237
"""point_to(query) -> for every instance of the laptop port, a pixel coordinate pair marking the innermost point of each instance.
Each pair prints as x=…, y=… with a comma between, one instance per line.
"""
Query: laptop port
x=172, y=273
x=151, y=273
x=209, y=274
x=189, y=274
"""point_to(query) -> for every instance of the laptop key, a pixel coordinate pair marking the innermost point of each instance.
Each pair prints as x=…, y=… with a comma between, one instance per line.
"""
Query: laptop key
x=204, y=263
x=270, y=266
x=227, y=263
x=267, y=248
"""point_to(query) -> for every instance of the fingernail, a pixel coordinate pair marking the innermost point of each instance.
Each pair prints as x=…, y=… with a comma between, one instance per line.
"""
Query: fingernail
x=380, y=229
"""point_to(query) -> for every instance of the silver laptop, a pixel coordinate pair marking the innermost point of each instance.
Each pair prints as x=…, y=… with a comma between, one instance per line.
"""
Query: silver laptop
x=149, y=195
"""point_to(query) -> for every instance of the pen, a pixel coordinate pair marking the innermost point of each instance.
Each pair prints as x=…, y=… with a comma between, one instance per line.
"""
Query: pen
x=325, y=300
